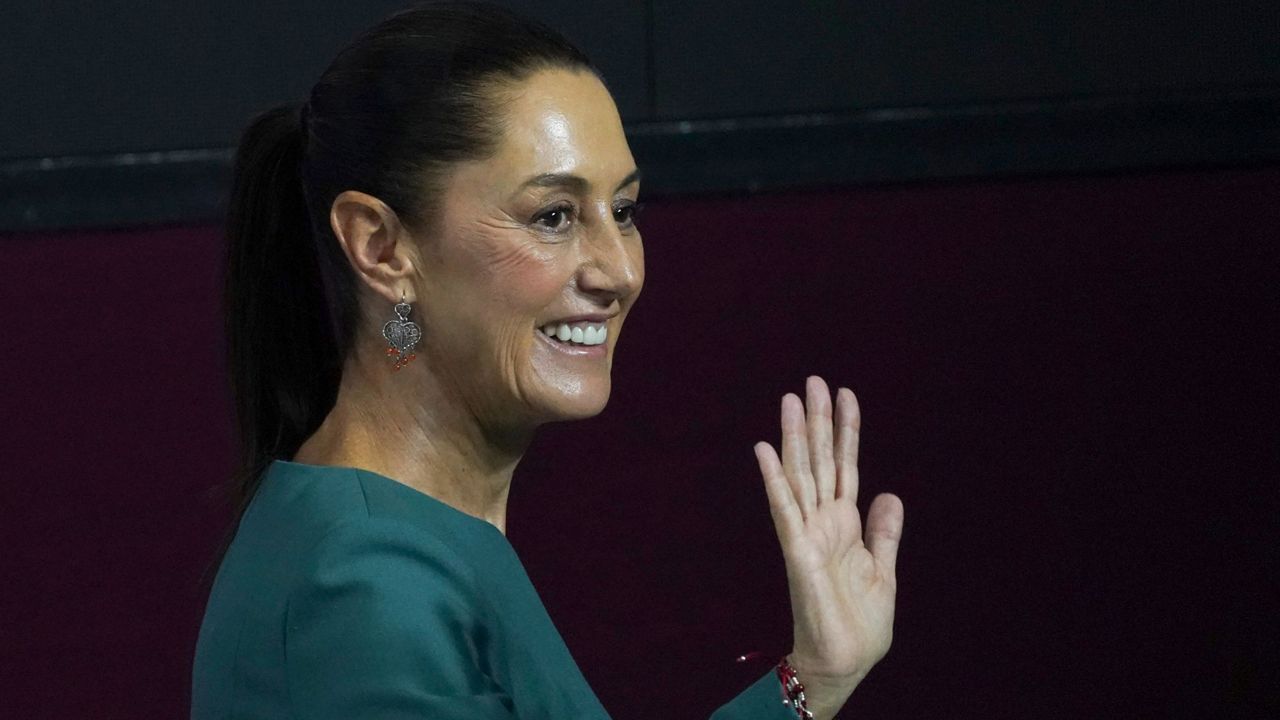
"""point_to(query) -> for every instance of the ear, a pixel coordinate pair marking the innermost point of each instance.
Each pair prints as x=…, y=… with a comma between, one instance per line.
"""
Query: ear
x=377, y=245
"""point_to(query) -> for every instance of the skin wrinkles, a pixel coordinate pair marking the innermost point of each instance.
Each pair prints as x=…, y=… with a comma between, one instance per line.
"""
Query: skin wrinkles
x=454, y=423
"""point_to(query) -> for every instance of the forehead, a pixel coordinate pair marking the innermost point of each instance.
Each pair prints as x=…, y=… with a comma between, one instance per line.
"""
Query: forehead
x=561, y=120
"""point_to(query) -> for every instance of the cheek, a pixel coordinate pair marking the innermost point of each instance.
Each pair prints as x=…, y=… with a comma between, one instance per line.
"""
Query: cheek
x=507, y=275
x=523, y=282
x=511, y=283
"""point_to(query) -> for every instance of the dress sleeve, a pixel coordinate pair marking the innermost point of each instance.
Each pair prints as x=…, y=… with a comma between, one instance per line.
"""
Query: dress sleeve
x=762, y=700
x=386, y=624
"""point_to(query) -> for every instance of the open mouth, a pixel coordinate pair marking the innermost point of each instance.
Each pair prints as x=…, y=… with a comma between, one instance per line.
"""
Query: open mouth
x=584, y=333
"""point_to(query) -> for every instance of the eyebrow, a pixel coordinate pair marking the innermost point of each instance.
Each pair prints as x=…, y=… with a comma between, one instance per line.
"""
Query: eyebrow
x=577, y=183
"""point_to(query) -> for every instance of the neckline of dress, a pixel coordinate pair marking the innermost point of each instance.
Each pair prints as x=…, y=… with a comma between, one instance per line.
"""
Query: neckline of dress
x=435, y=501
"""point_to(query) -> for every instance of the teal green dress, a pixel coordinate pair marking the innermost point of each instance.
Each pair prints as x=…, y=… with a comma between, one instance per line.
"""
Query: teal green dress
x=346, y=594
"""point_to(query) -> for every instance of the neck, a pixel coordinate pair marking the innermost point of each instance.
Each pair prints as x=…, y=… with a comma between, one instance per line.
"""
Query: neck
x=409, y=426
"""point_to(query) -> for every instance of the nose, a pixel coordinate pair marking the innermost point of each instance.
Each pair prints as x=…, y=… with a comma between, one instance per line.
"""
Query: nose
x=612, y=266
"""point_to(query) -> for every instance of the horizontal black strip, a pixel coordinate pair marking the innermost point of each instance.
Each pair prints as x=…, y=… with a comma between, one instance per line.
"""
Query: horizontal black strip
x=889, y=145
x=114, y=190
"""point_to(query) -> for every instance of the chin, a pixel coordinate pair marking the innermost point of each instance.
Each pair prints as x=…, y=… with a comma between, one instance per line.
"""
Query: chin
x=576, y=403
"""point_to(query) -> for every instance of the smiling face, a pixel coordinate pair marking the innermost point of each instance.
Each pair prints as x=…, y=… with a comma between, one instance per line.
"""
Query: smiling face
x=525, y=288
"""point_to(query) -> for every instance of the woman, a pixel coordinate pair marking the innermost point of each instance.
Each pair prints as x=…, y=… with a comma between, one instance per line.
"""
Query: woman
x=429, y=259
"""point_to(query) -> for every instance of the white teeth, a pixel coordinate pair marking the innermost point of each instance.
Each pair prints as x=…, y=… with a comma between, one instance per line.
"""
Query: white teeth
x=584, y=334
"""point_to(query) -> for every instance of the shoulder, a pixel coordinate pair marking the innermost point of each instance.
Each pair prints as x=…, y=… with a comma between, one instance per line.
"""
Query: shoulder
x=399, y=563
x=383, y=603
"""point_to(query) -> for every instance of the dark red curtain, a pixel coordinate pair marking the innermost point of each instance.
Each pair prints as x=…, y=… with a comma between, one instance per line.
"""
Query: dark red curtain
x=1070, y=383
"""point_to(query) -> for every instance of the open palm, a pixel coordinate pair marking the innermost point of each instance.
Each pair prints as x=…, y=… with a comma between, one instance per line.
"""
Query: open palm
x=842, y=580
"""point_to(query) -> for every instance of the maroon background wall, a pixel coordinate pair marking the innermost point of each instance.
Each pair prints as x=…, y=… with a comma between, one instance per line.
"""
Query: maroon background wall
x=1069, y=382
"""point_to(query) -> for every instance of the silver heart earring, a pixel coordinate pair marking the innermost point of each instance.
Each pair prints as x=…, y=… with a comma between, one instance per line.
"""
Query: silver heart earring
x=402, y=334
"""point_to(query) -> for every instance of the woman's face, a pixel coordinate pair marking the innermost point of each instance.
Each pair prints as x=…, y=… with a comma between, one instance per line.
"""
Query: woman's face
x=525, y=290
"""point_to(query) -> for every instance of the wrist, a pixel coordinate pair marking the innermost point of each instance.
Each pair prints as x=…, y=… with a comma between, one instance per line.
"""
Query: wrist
x=824, y=693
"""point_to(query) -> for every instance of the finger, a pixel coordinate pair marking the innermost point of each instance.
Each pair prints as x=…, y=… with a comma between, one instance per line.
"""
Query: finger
x=782, y=502
x=821, y=453
x=848, y=430
x=884, y=531
x=795, y=453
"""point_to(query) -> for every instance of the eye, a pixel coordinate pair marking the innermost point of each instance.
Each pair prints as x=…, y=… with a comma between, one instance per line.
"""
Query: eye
x=556, y=218
x=626, y=213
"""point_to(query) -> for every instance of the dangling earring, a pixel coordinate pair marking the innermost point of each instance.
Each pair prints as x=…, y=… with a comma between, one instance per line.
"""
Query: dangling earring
x=401, y=334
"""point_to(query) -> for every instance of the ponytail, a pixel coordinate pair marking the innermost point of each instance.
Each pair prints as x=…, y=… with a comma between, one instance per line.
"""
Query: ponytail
x=283, y=360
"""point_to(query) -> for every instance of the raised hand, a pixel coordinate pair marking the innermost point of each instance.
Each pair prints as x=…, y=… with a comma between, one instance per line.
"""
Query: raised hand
x=842, y=579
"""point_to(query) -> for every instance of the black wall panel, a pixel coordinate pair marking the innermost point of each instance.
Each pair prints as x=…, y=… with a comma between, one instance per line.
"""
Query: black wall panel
x=715, y=59
x=126, y=112
x=117, y=77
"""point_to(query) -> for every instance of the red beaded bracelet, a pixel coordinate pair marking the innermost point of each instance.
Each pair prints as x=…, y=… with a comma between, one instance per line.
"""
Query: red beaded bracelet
x=793, y=690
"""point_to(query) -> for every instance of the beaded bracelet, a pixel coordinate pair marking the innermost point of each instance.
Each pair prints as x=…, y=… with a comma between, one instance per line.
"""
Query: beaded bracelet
x=793, y=690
